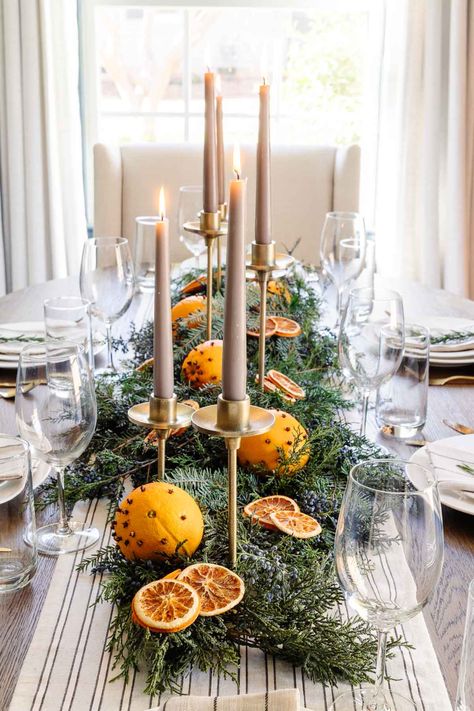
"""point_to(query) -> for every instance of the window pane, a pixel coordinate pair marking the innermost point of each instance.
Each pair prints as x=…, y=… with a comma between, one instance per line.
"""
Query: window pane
x=130, y=129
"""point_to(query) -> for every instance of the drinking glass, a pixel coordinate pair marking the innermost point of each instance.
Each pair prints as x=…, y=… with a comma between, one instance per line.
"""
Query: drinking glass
x=371, y=340
x=107, y=281
x=56, y=413
x=402, y=402
x=17, y=515
x=68, y=318
x=465, y=691
x=343, y=248
x=189, y=206
x=144, y=254
x=389, y=554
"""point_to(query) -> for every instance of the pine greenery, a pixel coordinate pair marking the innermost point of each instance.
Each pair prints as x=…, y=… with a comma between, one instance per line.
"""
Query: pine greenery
x=291, y=606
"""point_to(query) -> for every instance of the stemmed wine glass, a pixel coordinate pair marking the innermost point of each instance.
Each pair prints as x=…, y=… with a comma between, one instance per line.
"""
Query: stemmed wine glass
x=389, y=555
x=107, y=281
x=371, y=339
x=189, y=206
x=343, y=249
x=56, y=413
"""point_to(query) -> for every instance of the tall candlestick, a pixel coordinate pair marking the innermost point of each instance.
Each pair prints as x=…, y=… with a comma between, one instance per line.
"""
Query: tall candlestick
x=162, y=332
x=263, y=229
x=210, y=157
x=234, y=365
x=220, y=152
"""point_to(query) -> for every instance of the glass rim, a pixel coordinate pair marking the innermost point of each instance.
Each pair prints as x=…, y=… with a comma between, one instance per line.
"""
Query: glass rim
x=110, y=240
x=424, y=331
x=148, y=218
x=379, y=293
x=404, y=462
x=191, y=188
x=50, y=302
x=14, y=440
x=344, y=215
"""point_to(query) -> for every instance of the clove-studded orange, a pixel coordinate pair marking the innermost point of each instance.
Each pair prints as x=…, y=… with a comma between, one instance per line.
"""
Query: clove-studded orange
x=157, y=520
x=203, y=365
x=185, y=308
x=287, y=436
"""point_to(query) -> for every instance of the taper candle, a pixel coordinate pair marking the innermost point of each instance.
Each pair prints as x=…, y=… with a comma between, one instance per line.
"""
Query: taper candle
x=220, y=152
x=163, y=384
x=234, y=357
x=263, y=230
x=210, y=147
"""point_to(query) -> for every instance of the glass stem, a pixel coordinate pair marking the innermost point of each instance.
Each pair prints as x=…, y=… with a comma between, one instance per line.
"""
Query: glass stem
x=63, y=527
x=380, y=668
x=365, y=408
x=110, y=360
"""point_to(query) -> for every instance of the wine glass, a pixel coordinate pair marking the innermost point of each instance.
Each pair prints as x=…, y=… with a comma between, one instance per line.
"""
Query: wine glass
x=371, y=339
x=56, y=413
x=343, y=248
x=107, y=281
x=389, y=555
x=189, y=206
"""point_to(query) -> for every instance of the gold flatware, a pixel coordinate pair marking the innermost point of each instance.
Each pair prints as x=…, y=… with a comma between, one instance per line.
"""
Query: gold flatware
x=438, y=380
x=417, y=442
x=458, y=427
x=8, y=393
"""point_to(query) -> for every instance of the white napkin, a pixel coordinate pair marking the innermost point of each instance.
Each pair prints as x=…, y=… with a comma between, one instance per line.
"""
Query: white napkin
x=442, y=325
x=447, y=454
x=282, y=700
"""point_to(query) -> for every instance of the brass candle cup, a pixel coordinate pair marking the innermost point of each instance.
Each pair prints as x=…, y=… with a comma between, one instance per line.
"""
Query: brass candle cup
x=210, y=228
x=232, y=420
x=163, y=415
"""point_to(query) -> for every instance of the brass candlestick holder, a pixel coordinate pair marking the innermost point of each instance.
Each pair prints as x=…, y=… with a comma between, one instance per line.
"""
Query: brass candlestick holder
x=232, y=419
x=209, y=227
x=163, y=415
x=265, y=262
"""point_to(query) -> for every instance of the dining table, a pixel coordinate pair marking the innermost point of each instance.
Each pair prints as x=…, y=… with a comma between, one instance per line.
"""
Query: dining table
x=445, y=612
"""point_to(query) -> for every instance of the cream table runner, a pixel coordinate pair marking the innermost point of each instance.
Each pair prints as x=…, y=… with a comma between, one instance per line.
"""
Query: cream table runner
x=68, y=668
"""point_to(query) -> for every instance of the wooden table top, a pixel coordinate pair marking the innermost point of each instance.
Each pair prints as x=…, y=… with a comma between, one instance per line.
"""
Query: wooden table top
x=446, y=611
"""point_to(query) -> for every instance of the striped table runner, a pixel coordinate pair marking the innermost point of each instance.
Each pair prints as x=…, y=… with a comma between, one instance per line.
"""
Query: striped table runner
x=68, y=668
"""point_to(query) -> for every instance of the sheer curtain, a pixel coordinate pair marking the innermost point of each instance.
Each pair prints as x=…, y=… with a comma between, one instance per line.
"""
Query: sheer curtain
x=42, y=197
x=423, y=162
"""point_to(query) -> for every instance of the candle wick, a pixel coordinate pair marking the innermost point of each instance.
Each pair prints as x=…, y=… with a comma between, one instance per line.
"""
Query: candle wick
x=264, y=82
x=237, y=174
x=208, y=69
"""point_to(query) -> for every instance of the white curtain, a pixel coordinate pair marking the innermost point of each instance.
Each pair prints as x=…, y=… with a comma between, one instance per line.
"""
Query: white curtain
x=42, y=196
x=422, y=165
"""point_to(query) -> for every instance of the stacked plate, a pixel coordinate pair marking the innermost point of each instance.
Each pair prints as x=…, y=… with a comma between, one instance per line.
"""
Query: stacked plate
x=452, y=341
x=16, y=335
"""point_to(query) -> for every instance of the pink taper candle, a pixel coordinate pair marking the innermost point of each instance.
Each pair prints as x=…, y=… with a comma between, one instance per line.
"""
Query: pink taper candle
x=234, y=358
x=220, y=152
x=163, y=384
x=263, y=229
x=210, y=147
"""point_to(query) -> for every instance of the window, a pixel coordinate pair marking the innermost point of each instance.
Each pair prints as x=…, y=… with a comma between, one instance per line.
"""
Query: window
x=143, y=65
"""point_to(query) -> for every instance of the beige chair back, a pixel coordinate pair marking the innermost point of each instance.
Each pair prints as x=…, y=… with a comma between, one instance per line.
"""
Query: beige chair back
x=307, y=182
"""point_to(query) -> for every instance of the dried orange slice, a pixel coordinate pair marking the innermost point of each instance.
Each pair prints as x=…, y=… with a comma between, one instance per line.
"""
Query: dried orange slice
x=219, y=588
x=166, y=606
x=261, y=509
x=296, y=524
x=173, y=575
x=195, y=285
x=286, y=385
x=145, y=365
x=180, y=430
x=270, y=328
x=286, y=327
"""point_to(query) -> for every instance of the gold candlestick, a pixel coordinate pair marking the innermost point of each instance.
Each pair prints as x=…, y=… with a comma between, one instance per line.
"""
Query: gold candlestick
x=232, y=419
x=163, y=415
x=209, y=227
x=223, y=216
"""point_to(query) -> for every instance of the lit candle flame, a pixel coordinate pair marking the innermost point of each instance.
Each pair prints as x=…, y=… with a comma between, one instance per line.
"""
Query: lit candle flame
x=264, y=64
x=207, y=58
x=218, y=85
x=162, y=203
x=236, y=161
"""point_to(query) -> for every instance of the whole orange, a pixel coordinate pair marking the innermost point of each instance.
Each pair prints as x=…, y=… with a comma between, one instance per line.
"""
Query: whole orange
x=287, y=435
x=190, y=305
x=203, y=365
x=157, y=520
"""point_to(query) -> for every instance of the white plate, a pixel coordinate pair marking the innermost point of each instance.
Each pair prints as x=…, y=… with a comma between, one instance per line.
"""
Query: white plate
x=454, y=499
x=40, y=472
x=449, y=363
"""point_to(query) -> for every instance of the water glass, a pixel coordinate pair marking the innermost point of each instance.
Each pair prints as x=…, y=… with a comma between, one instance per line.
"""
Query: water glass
x=402, y=402
x=144, y=255
x=17, y=515
x=465, y=692
x=189, y=207
x=68, y=318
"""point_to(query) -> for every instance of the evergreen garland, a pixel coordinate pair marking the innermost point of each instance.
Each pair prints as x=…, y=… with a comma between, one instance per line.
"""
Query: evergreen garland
x=290, y=607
